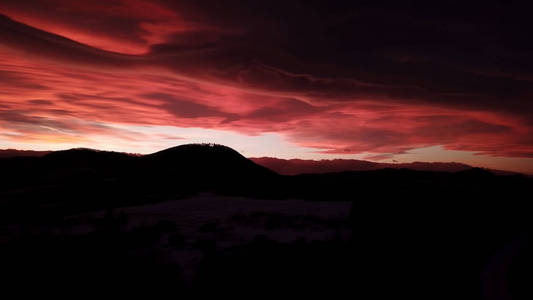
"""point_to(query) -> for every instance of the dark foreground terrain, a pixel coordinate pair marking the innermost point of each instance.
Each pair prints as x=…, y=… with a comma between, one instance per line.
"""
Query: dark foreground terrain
x=199, y=220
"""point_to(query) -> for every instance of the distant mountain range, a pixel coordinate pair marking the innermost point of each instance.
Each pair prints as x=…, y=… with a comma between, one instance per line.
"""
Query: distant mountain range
x=302, y=166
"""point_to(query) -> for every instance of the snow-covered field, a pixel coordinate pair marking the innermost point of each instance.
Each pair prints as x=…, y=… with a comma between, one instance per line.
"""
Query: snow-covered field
x=216, y=222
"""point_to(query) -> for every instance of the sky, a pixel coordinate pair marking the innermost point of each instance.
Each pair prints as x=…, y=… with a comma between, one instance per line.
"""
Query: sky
x=378, y=80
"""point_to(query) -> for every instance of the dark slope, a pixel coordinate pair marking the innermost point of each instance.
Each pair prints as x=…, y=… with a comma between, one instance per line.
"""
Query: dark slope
x=439, y=235
x=60, y=182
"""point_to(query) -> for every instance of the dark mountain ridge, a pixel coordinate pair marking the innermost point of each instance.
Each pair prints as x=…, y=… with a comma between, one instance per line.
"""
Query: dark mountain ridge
x=288, y=166
x=110, y=178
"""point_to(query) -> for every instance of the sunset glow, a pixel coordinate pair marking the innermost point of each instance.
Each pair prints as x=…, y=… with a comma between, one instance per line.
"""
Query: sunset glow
x=139, y=76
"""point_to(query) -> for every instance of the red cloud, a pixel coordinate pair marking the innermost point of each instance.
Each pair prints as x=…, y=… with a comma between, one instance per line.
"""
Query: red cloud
x=70, y=71
x=128, y=27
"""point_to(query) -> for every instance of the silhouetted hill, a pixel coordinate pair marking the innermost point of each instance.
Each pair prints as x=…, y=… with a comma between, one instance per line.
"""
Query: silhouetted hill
x=206, y=160
x=205, y=167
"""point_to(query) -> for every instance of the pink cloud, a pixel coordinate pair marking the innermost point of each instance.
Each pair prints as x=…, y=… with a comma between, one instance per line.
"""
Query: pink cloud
x=66, y=73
